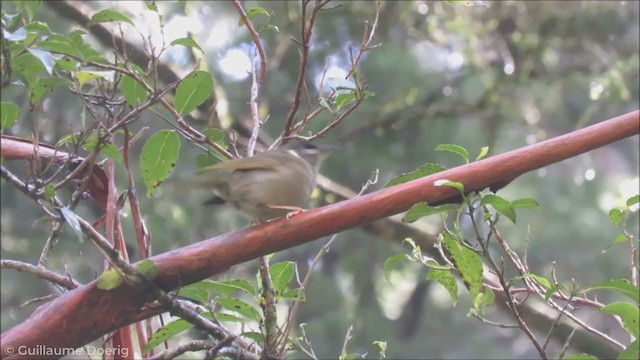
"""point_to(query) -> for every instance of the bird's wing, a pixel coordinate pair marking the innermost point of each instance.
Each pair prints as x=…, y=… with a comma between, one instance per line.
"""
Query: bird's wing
x=251, y=163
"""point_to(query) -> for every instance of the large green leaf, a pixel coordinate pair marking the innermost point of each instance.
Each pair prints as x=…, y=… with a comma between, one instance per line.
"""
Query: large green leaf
x=158, y=157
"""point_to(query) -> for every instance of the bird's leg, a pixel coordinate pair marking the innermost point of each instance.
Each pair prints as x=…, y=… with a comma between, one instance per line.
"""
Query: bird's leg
x=294, y=210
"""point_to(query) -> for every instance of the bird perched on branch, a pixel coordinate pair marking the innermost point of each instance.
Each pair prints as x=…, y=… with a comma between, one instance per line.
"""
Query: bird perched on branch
x=268, y=185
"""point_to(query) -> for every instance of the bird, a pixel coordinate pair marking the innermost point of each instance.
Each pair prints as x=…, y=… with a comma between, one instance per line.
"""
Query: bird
x=269, y=185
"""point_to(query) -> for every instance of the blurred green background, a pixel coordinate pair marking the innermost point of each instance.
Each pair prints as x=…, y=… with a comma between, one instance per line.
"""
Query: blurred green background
x=506, y=75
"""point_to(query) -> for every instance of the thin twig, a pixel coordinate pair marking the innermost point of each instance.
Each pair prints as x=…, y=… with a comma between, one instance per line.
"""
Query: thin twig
x=253, y=104
x=255, y=36
x=41, y=272
x=373, y=179
x=45, y=298
x=306, y=31
x=366, y=40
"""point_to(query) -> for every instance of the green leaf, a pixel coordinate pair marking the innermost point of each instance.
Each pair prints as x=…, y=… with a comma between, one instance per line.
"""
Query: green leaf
x=9, y=113
x=229, y=318
x=343, y=99
x=188, y=42
x=453, y=184
x=134, y=93
x=49, y=191
x=382, y=348
x=253, y=12
x=391, y=262
x=422, y=171
x=225, y=288
x=501, y=205
x=193, y=91
x=581, y=356
x=542, y=280
x=272, y=27
x=616, y=216
x=66, y=64
x=467, y=262
x=281, y=275
x=60, y=44
x=84, y=76
x=45, y=85
x=446, y=279
x=483, y=152
x=106, y=148
x=38, y=27
x=255, y=336
x=456, y=149
x=170, y=330
x=158, y=157
x=108, y=15
x=109, y=279
x=633, y=200
x=632, y=352
x=206, y=159
x=217, y=136
x=483, y=299
x=239, y=306
x=618, y=239
x=421, y=210
x=524, y=203
x=214, y=156
x=622, y=286
x=88, y=53
x=147, y=268
x=28, y=65
x=629, y=314
x=195, y=293
x=292, y=294
x=28, y=7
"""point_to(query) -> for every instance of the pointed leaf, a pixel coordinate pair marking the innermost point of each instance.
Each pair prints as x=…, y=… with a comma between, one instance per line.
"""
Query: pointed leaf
x=188, y=42
x=158, y=157
x=622, y=286
x=391, y=262
x=9, y=113
x=108, y=15
x=629, y=314
x=501, y=205
x=240, y=307
x=456, y=149
x=446, y=279
x=193, y=91
x=281, y=275
x=422, y=171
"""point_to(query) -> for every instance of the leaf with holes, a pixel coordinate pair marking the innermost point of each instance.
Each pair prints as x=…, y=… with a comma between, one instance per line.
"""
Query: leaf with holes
x=467, y=262
x=239, y=306
x=158, y=157
x=422, y=171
